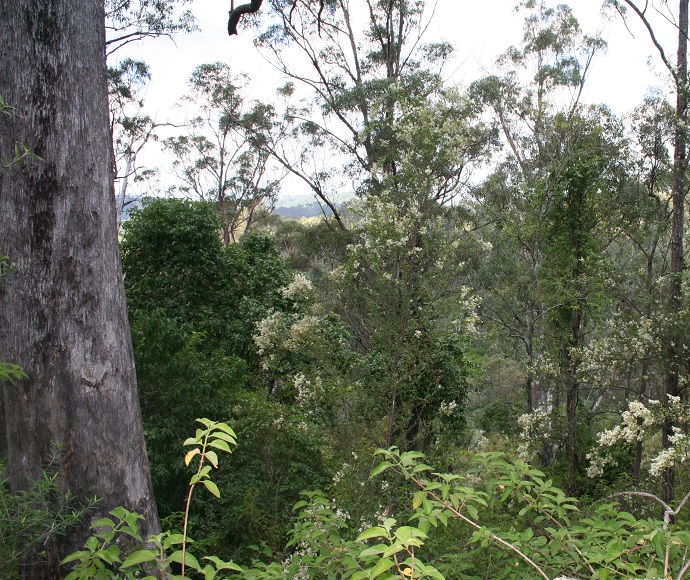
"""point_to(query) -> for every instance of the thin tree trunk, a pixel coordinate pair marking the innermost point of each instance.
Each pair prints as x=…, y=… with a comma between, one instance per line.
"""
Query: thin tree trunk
x=62, y=309
x=680, y=165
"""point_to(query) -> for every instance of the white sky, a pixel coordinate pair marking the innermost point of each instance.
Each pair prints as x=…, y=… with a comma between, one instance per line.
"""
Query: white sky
x=479, y=31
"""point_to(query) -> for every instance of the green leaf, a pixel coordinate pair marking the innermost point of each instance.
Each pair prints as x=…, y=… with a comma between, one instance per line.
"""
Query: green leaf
x=212, y=487
x=375, y=532
x=380, y=468
x=212, y=457
x=407, y=534
x=418, y=498
x=393, y=549
x=224, y=428
x=138, y=558
x=220, y=444
x=75, y=556
x=103, y=522
x=373, y=551
x=225, y=437
x=222, y=565
x=383, y=565
x=189, y=559
x=472, y=511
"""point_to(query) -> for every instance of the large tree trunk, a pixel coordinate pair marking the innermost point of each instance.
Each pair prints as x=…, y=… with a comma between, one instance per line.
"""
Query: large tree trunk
x=62, y=309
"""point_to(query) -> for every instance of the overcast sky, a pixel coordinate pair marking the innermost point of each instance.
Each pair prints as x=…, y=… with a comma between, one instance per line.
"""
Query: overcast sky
x=479, y=32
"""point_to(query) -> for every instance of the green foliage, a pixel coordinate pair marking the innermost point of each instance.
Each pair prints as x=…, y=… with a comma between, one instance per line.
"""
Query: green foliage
x=512, y=521
x=33, y=518
x=116, y=550
x=281, y=453
x=215, y=161
x=134, y=20
x=20, y=152
x=11, y=372
x=521, y=521
x=174, y=261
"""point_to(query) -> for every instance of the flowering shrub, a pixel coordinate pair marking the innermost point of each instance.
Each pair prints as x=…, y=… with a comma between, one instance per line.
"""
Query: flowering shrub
x=637, y=422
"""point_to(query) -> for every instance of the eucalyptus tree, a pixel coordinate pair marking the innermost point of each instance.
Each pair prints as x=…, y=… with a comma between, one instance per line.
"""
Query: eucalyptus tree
x=355, y=82
x=130, y=21
x=625, y=360
x=552, y=63
x=131, y=128
x=539, y=203
x=216, y=160
x=62, y=307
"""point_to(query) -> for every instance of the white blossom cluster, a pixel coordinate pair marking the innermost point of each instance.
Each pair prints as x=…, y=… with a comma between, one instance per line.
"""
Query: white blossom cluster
x=340, y=474
x=308, y=392
x=279, y=330
x=636, y=422
x=300, y=287
x=536, y=426
x=626, y=345
x=446, y=409
x=479, y=442
x=679, y=452
x=469, y=307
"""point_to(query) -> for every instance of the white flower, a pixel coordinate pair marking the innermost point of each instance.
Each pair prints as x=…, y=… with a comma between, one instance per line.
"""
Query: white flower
x=300, y=286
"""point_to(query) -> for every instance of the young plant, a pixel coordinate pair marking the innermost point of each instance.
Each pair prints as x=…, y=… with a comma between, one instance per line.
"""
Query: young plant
x=215, y=436
x=103, y=556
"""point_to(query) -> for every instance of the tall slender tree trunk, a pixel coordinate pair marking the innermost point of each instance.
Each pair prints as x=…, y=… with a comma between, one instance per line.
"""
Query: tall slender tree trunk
x=680, y=166
x=679, y=72
x=62, y=309
x=573, y=395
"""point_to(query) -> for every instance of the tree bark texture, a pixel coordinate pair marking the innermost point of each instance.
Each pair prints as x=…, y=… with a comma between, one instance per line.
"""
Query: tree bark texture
x=62, y=308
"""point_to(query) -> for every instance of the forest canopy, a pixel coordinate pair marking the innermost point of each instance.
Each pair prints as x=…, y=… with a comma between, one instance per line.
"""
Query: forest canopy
x=471, y=364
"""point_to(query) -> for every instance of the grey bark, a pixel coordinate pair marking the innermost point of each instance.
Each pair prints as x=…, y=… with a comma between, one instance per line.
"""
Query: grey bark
x=62, y=308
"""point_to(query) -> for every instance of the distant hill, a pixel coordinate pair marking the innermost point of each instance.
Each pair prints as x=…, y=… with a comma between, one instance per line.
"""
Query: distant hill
x=289, y=206
x=304, y=206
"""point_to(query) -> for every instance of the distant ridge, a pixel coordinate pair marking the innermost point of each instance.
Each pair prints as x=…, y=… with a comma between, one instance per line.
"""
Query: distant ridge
x=305, y=206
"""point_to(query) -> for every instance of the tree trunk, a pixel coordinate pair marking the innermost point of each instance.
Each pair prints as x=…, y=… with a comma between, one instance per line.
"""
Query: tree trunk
x=680, y=165
x=62, y=308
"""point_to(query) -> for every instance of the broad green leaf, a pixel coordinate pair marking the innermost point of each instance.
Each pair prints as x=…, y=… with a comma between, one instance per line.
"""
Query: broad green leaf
x=380, y=468
x=383, y=565
x=407, y=533
x=138, y=558
x=373, y=551
x=212, y=487
x=472, y=511
x=418, y=498
x=393, y=549
x=375, y=532
x=189, y=559
x=212, y=457
x=225, y=437
x=220, y=444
